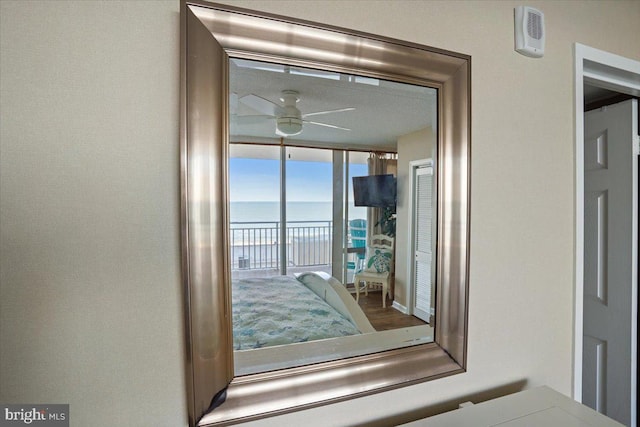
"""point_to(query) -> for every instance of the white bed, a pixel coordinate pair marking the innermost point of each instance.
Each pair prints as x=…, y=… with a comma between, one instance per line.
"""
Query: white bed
x=365, y=341
x=283, y=310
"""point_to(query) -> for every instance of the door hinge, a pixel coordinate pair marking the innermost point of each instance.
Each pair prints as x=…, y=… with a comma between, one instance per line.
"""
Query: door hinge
x=636, y=145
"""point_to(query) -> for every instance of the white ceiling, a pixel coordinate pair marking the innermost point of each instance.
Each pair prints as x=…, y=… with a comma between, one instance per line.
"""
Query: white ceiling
x=384, y=110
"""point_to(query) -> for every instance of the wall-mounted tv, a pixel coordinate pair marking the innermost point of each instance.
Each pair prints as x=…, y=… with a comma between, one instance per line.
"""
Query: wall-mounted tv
x=374, y=191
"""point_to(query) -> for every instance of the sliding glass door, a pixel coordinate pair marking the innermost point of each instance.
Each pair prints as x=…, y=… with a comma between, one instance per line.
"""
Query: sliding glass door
x=292, y=210
x=356, y=226
x=281, y=201
x=309, y=205
x=255, y=210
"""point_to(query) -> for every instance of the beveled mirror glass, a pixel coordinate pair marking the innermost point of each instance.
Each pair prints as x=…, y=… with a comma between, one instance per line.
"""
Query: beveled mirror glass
x=297, y=221
x=219, y=44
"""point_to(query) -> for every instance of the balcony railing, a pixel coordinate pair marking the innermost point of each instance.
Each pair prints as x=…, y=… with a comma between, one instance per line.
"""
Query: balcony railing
x=256, y=245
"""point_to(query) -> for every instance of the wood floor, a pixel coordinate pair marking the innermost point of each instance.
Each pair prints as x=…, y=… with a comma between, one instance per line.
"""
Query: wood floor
x=383, y=319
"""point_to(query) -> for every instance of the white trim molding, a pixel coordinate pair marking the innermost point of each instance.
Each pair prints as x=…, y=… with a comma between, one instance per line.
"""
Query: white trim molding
x=401, y=308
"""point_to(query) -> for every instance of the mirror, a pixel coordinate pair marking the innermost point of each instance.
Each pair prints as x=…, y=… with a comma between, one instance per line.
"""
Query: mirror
x=213, y=37
x=287, y=216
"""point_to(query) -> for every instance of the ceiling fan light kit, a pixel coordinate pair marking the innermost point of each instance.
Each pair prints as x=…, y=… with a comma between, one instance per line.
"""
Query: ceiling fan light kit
x=289, y=122
x=289, y=119
x=288, y=126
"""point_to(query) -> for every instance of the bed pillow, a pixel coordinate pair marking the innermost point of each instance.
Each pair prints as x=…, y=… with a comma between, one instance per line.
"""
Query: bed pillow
x=378, y=259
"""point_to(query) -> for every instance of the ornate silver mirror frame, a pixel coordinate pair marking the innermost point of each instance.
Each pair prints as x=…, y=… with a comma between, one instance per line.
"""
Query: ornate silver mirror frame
x=212, y=33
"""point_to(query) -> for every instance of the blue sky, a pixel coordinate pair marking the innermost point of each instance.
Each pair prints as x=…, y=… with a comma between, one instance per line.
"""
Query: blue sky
x=257, y=180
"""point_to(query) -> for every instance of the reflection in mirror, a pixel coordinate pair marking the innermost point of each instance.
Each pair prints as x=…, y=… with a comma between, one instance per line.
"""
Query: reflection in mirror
x=212, y=36
x=332, y=214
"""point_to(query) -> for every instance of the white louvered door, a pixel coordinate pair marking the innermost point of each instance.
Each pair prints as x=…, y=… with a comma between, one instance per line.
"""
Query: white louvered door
x=423, y=216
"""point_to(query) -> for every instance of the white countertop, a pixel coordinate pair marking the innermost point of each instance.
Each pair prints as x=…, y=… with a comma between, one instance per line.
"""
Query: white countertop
x=537, y=407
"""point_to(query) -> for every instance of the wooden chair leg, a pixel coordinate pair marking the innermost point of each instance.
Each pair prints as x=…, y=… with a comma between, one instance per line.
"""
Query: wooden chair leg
x=385, y=290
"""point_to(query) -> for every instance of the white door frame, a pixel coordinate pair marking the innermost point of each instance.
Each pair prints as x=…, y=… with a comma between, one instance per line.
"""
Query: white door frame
x=613, y=72
x=411, y=241
x=413, y=164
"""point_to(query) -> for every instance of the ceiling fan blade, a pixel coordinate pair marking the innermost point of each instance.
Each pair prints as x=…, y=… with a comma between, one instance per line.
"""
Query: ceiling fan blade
x=325, y=125
x=339, y=110
x=252, y=120
x=261, y=105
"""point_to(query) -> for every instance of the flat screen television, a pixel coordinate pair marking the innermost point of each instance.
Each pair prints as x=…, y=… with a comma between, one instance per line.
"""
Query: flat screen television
x=374, y=191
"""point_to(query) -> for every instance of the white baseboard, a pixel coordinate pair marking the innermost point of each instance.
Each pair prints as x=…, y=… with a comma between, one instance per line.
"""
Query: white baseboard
x=401, y=308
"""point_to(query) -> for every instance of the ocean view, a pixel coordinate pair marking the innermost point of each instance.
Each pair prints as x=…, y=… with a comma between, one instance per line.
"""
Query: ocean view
x=255, y=234
x=296, y=211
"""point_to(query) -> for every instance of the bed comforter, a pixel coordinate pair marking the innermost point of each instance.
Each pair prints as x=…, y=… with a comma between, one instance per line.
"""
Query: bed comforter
x=281, y=310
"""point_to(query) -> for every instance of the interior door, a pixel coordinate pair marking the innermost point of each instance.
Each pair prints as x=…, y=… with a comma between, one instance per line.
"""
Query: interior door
x=423, y=246
x=610, y=261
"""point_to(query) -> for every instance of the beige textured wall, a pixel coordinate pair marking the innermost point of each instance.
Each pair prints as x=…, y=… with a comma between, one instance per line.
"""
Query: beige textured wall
x=90, y=302
x=414, y=146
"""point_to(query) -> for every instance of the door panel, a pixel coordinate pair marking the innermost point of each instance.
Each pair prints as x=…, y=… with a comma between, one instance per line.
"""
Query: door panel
x=595, y=362
x=596, y=250
x=610, y=261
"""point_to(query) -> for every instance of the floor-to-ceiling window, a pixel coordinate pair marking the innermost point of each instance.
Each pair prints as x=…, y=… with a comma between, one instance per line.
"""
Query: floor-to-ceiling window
x=288, y=207
x=255, y=209
x=309, y=205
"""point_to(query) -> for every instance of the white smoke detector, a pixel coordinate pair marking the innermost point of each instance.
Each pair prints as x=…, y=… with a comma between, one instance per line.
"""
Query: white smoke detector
x=530, y=31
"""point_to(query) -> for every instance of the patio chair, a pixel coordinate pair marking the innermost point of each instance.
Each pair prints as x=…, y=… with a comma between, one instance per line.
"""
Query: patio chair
x=378, y=267
x=358, y=233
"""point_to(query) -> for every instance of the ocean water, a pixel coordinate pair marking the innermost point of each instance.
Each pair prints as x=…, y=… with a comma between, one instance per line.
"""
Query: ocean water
x=296, y=211
x=255, y=228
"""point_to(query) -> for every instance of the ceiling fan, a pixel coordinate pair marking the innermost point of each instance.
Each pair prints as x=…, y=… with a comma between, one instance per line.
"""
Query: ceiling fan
x=289, y=119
